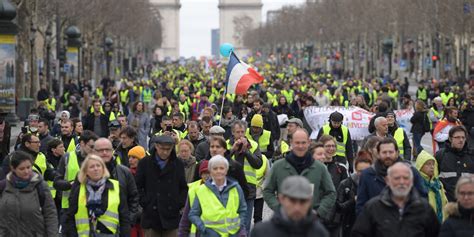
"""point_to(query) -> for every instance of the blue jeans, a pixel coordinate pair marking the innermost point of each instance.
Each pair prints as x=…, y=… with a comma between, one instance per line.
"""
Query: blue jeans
x=417, y=142
x=248, y=221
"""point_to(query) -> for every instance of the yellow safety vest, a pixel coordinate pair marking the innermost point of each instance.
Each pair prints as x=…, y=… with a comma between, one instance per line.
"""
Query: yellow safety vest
x=393, y=94
x=263, y=140
x=109, y=219
x=72, y=145
x=422, y=94
x=284, y=147
x=398, y=136
x=445, y=98
x=184, y=108
x=261, y=171
x=250, y=172
x=40, y=167
x=192, y=189
x=124, y=96
x=99, y=92
x=72, y=169
x=147, y=95
x=437, y=114
x=340, y=146
x=288, y=95
x=223, y=220
x=51, y=105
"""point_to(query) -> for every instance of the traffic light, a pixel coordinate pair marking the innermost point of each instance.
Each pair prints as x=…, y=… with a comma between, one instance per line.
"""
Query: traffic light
x=62, y=57
x=435, y=60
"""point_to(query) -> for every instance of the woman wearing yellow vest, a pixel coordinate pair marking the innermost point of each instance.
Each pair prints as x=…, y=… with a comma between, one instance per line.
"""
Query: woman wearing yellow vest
x=95, y=203
x=219, y=208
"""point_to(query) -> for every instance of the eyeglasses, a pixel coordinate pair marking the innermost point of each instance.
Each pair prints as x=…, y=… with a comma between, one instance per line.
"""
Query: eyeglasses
x=34, y=141
x=466, y=194
x=103, y=150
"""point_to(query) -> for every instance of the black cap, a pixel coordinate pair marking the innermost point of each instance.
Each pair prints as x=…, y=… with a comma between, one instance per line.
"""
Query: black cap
x=336, y=117
x=114, y=124
x=162, y=139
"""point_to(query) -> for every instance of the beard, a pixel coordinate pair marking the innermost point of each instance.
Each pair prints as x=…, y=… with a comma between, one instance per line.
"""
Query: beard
x=401, y=190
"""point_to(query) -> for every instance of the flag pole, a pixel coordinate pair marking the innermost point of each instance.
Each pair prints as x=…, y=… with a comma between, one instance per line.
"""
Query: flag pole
x=225, y=92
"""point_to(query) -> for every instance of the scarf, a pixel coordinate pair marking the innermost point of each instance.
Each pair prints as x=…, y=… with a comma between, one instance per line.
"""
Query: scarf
x=20, y=183
x=300, y=163
x=94, y=199
x=188, y=162
x=435, y=186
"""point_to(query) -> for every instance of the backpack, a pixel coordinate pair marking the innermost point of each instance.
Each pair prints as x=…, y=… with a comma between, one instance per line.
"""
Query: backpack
x=39, y=189
x=426, y=123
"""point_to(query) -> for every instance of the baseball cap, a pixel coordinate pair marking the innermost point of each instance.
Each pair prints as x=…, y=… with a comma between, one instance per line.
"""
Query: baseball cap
x=296, y=187
x=295, y=120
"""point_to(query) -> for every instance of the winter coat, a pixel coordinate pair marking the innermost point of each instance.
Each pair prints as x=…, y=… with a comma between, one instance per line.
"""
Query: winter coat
x=433, y=185
x=223, y=196
x=123, y=153
x=44, y=140
x=70, y=229
x=346, y=201
x=162, y=192
x=417, y=121
x=452, y=164
x=459, y=222
x=143, y=126
x=467, y=117
x=372, y=182
x=190, y=168
x=21, y=212
x=381, y=217
x=324, y=192
x=88, y=124
x=279, y=226
x=201, y=151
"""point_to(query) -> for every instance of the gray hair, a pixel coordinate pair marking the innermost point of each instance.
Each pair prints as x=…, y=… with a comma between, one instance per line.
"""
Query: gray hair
x=218, y=159
x=239, y=123
x=468, y=179
x=403, y=164
x=378, y=120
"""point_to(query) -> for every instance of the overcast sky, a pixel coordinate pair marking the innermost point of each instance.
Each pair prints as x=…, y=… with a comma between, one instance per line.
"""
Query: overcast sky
x=198, y=17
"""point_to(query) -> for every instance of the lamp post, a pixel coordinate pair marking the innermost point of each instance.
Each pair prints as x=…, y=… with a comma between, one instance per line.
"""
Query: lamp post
x=48, y=52
x=73, y=46
x=32, y=38
x=108, y=53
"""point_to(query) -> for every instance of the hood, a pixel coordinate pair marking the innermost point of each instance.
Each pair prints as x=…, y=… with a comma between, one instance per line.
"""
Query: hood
x=422, y=158
x=35, y=180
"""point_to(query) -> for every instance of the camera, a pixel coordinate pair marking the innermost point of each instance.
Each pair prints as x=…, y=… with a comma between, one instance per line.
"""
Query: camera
x=24, y=130
x=169, y=128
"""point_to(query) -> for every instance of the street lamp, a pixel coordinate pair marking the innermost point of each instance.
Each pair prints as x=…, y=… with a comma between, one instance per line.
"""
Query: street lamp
x=32, y=47
x=48, y=52
x=74, y=43
x=108, y=53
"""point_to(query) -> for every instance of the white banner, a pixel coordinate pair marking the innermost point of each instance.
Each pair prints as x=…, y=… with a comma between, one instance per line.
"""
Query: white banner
x=355, y=118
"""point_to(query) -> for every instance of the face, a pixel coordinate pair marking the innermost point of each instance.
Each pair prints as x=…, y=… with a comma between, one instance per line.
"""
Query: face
x=382, y=127
x=361, y=166
x=140, y=107
x=193, y=133
x=166, y=123
x=390, y=119
x=59, y=150
x=238, y=132
x=400, y=181
x=257, y=106
x=256, y=130
x=87, y=148
x=122, y=121
x=218, y=171
x=330, y=149
x=23, y=170
x=97, y=107
x=205, y=176
x=126, y=140
x=291, y=127
x=300, y=143
x=387, y=154
x=216, y=149
x=428, y=168
x=64, y=116
x=206, y=127
x=95, y=170
x=164, y=150
x=104, y=149
x=66, y=129
x=133, y=161
x=184, y=152
x=319, y=154
x=42, y=128
x=33, y=144
x=177, y=121
x=79, y=128
x=335, y=124
x=295, y=209
x=454, y=114
x=107, y=107
x=458, y=140
x=465, y=195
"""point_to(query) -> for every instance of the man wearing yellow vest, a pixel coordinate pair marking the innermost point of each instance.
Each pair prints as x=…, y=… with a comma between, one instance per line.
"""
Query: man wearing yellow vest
x=422, y=93
x=69, y=167
x=336, y=129
x=436, y=112
x=400, y=136
x=67, y=135
x=261, y=136
x=446, y=95
x=247, y=153
x=124, y=95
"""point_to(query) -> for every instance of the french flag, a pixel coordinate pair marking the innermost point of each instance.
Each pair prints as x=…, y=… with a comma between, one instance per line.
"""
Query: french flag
x=240, y=76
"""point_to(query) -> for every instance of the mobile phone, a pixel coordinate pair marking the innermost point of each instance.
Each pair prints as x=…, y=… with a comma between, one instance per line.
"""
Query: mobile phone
x=169, y=128
x=24, y=130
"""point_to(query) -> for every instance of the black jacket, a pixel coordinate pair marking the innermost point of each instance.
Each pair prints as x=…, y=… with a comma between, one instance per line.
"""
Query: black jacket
x=44, y=140
x=467, y=117
x=459, y=223
x=282, y=226
x=452, y=164
x=69, y=229
x=162, y=192
x=88, y=123
x=345, y=204
x=128, y=185
x=123, y=153
x=381, y=217
x=417, y=121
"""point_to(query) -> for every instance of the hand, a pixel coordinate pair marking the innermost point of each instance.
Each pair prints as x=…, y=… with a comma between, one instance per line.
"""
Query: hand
x=236, y=146
x=245, y=144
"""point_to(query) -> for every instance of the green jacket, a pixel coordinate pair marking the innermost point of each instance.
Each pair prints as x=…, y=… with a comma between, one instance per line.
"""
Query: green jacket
x=324, y=197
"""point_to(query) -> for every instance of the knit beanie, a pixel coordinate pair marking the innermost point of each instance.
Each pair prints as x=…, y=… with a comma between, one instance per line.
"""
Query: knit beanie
x=137, y=152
